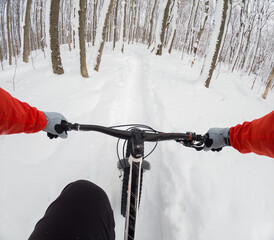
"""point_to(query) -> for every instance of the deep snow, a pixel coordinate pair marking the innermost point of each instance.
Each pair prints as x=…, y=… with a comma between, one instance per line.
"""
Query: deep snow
x=187, y=195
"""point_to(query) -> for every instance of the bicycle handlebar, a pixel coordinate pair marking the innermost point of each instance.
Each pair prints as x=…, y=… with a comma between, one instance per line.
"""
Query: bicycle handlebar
x=185, y=138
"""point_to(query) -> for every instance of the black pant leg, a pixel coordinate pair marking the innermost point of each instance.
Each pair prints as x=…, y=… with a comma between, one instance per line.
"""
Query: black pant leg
x=82, y=212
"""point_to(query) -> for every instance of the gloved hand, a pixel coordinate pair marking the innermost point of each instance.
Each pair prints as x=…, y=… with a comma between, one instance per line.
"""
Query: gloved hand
x=54, y=127
x=217, y=138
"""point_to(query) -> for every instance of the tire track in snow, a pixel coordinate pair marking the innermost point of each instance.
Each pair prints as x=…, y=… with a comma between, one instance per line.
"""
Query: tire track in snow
x=133, y=103
x=137, y=99
x=159, y=178
x=180, y=217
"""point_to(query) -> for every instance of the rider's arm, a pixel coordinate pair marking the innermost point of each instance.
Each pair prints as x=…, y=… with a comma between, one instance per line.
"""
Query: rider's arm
x=256, y=136
x=18, y=117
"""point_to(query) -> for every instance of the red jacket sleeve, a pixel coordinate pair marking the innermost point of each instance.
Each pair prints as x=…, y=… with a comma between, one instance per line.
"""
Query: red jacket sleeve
x=256, y=136
x=18, y=117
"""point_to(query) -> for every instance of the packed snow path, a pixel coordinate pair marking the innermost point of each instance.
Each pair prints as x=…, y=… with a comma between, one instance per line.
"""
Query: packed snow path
x=186, y=195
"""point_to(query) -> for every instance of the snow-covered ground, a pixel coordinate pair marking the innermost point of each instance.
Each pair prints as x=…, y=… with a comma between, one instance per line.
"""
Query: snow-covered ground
x=187, y=194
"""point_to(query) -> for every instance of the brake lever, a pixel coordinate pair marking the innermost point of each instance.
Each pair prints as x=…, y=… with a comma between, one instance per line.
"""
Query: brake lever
x=196, y=144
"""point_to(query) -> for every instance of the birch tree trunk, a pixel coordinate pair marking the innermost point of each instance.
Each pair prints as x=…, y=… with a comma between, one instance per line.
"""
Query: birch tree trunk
x=47, y=23
x=220, y=30
x=102, y=44
x=8, y=32
x=229, y=10
x=193, y=28
x=54, y=39
x=172, y=41
x=42, y=29
x=75, y=24
x=26, y=46
x=94, y=21
x=202, y=27
x=124, y=26
x=18, y=24
x=82, y=40
x=241, y=33
x=163, y=31
x=115, y=24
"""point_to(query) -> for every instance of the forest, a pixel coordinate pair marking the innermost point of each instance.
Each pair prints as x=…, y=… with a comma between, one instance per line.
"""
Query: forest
x=238, y=33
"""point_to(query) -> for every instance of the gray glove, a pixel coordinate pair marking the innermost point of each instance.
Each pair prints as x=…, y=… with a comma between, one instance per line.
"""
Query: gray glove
x=217, y=138
x=54, y=127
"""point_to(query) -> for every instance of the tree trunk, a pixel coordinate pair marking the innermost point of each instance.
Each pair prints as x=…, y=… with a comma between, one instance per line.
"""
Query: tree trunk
x=100, y=52
x=82, y=33
x=269, y=83
x=241, y=33
x=42, y=29
x=172, y=41
x=26, y=47
x=3, y=36
x=124, y=26
x=258, y=38
x=163, y=31
x=225, y=33
x=131, y=17
x=219, y=41
x=193, y=28
x=54, y=40
x=94, y=21
x=8, y=32
x=151, y=24
x=115, y=24
x=197, y=42
x=188, y=29
x=18, y=26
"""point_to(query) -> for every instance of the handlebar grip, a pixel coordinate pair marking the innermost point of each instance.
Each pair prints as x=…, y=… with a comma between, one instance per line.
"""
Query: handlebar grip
x=59, y=129
x=67, y=126
x=64, y=126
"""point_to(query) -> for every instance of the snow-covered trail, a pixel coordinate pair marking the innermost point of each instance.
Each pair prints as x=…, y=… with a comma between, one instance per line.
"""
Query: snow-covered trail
x=133, y=102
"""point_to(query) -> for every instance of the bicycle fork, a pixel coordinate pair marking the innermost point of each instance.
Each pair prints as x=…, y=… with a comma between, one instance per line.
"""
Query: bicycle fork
x=134, y=184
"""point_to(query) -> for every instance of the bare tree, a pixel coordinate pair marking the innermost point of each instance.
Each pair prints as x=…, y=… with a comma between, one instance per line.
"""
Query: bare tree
x=115, y=24
x=190, y=24
x=9, y=32
x=223, y=7
x=201, y=30
x=3, y=36
x=240, y=34
x=42, y=28
x=82, y=40
x=94, y=22
x=102, y=44
x=26, y=27
x=124, y=25
x=151, y=24
x=164, y=27
x=54, y=38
